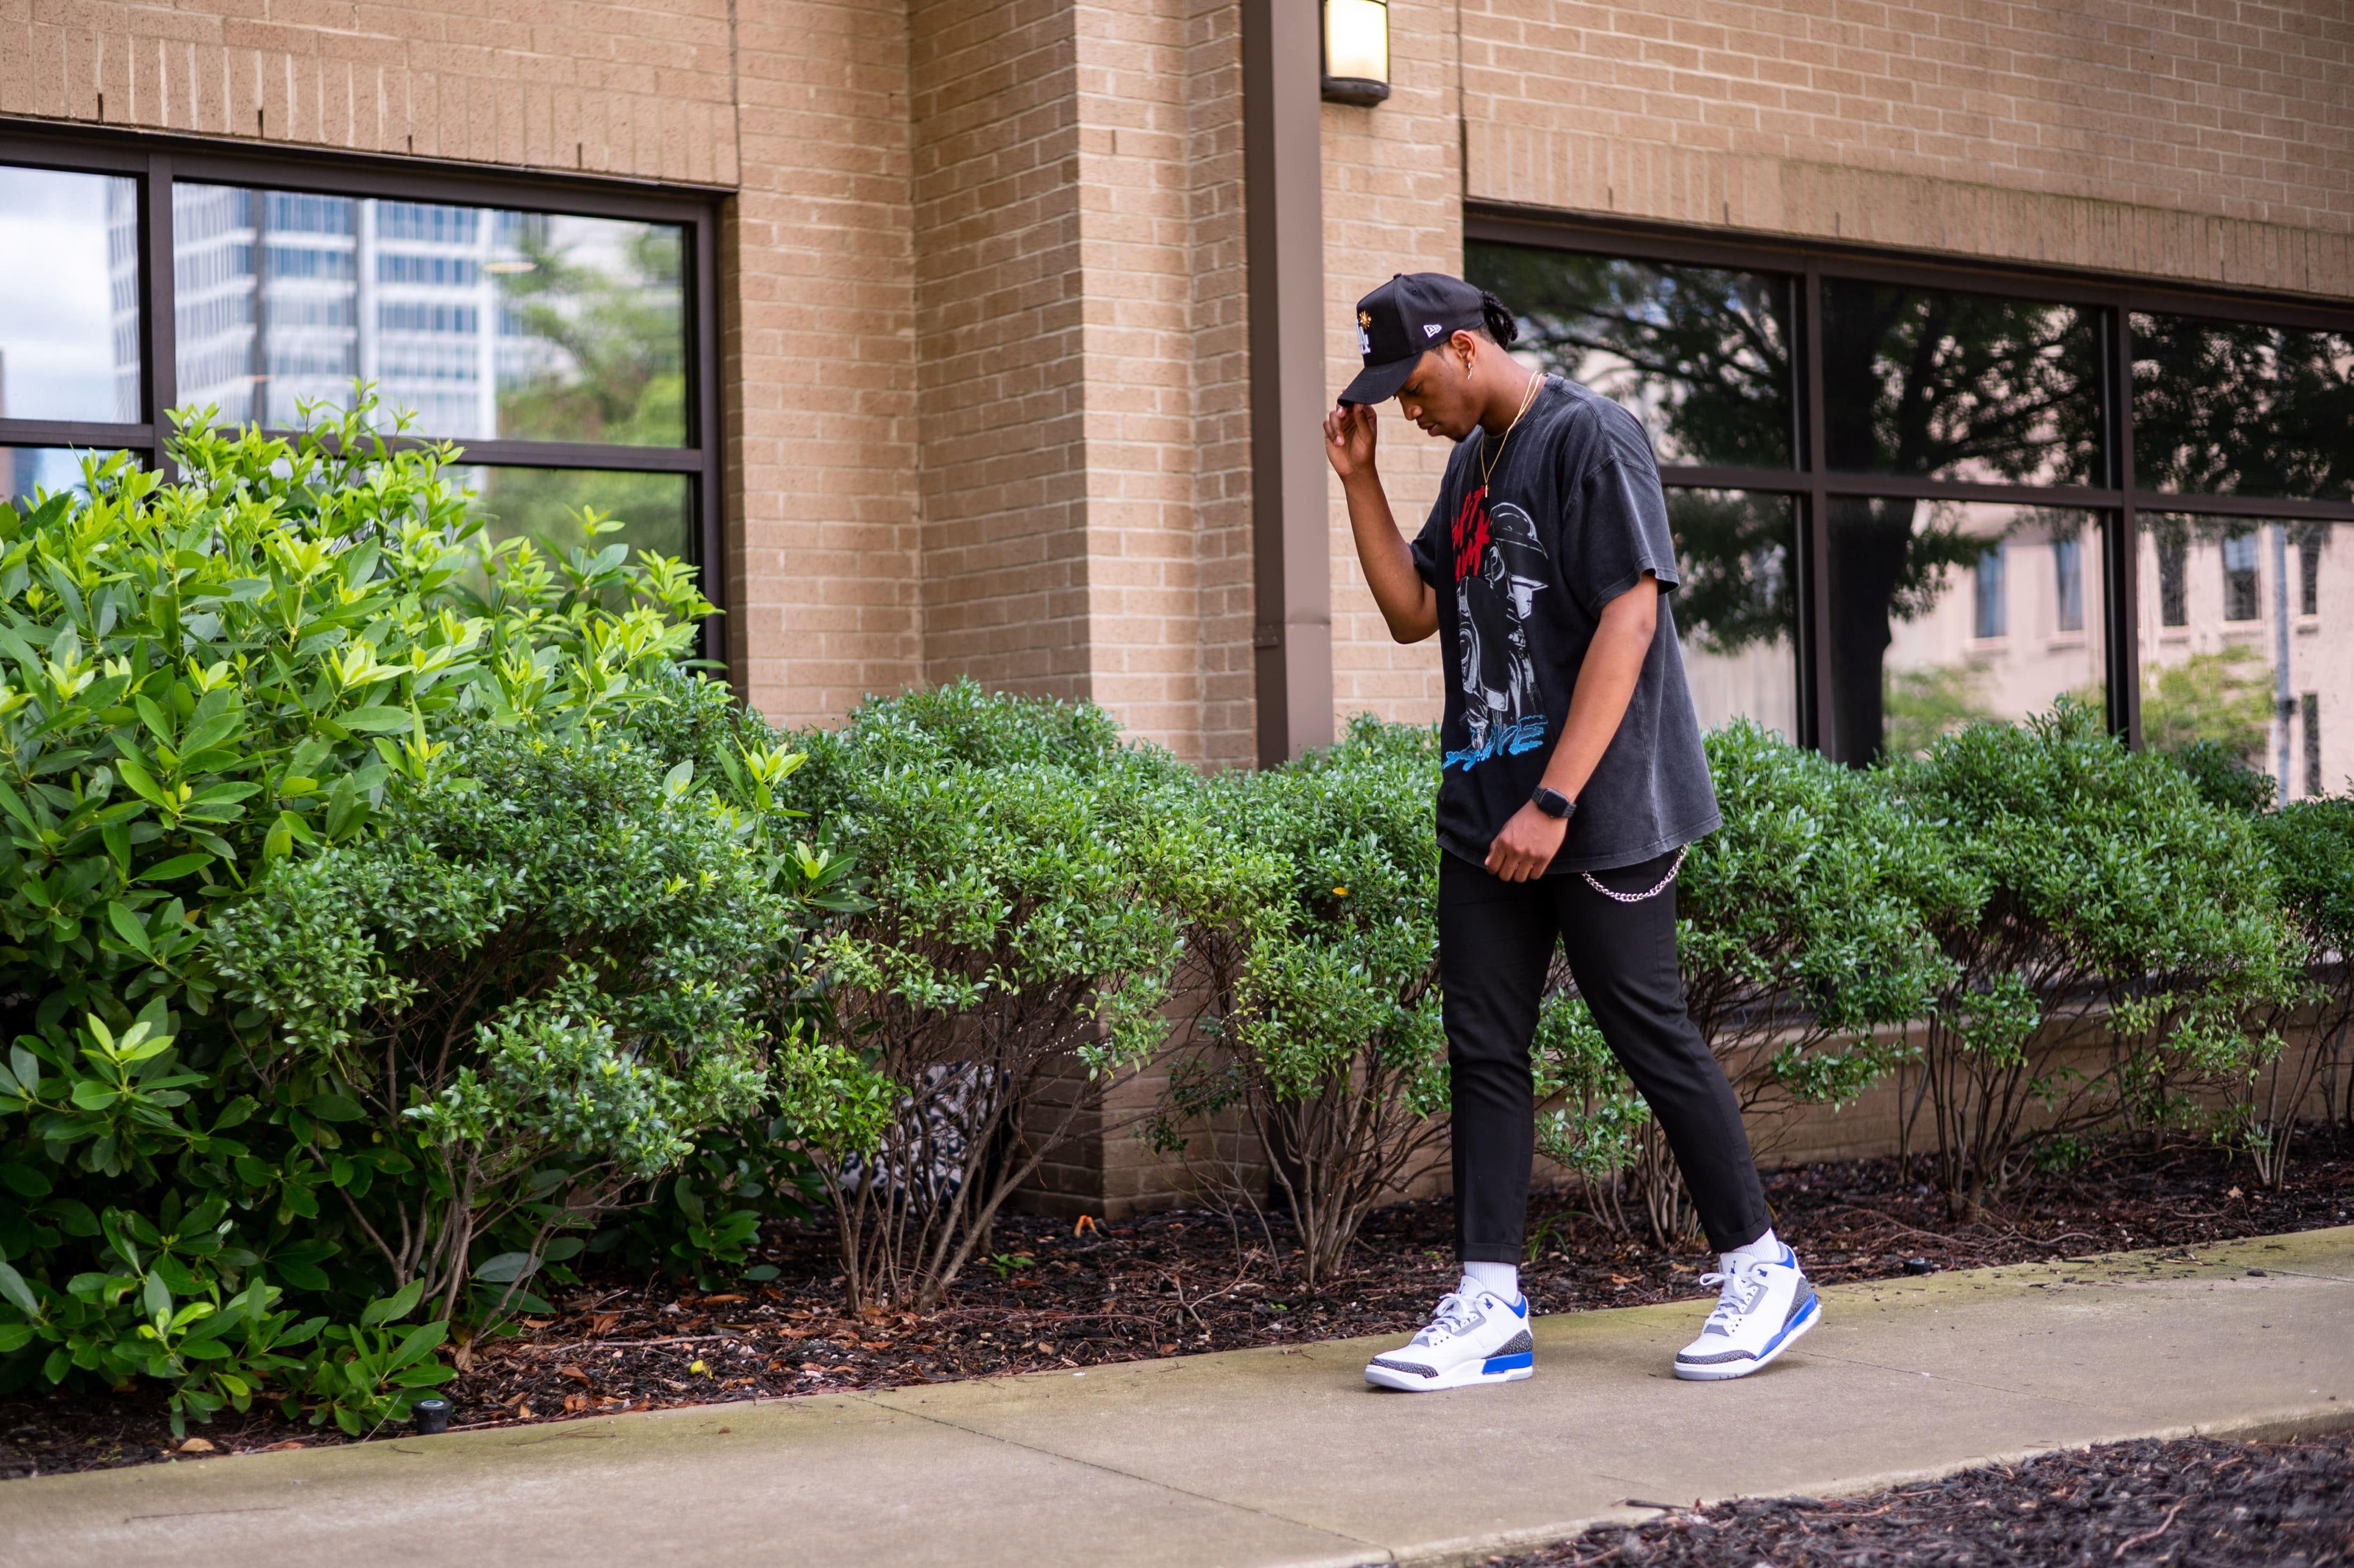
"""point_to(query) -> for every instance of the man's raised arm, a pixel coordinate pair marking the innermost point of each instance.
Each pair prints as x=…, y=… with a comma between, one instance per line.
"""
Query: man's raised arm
x=1408, y=603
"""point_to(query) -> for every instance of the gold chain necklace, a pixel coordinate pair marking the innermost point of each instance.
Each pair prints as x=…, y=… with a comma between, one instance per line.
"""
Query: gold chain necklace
x=1528, y=396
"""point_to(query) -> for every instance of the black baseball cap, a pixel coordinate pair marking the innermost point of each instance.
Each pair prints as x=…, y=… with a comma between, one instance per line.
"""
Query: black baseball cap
x=1397, y=323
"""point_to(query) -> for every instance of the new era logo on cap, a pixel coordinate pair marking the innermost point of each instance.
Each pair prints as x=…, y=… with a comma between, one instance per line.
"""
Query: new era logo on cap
x=1397, y=323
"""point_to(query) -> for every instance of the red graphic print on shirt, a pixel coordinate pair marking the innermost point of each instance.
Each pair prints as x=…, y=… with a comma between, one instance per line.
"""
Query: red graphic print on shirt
x=1471, y=533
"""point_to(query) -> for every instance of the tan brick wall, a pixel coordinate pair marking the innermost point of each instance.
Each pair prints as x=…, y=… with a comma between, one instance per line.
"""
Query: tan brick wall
x=640, y=90
x=2208, y=139
x=819, y=360
x=1393, y=202
x=998, y=325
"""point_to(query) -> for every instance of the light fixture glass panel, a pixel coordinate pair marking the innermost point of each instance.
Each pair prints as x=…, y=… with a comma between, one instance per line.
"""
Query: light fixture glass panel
x=1357, y=39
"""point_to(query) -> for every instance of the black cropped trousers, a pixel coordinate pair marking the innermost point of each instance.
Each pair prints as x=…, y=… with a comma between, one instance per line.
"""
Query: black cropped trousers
x=1496, y=941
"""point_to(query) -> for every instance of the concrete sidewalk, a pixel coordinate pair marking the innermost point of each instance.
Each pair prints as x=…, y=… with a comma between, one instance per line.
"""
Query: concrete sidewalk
x=1283, y=1456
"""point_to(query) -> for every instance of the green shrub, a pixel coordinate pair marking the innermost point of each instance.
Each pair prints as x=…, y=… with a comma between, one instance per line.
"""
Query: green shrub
x=2224, y=778
x=2311, y=845
x=1317, y=943
x=219, y=693
x=2094, y=888
x=539, y=984
x=1014, y=961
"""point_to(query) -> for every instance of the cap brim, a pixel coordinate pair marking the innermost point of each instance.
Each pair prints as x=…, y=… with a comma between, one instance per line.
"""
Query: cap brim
x=1379, y=383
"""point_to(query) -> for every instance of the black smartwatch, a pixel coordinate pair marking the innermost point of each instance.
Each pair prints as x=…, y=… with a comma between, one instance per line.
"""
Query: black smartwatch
x=1553, y=803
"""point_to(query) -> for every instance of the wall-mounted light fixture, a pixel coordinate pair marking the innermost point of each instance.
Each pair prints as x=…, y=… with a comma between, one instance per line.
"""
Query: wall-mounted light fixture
x=1356, y=51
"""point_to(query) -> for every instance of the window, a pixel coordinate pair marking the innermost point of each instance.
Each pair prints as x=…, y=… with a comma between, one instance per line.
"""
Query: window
x=561, y=335
x=2173, y=597
x=1955, y=385
x=2310, y=706
x=1993, y=616
x=69, y=302
x=1736, y=611
x=2067, y=583
x=1702, y=353
x=1930, y=424
x=2239, y=408
x=2240, y=578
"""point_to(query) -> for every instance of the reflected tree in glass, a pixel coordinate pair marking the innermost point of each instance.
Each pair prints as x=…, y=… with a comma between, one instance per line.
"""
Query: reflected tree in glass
x=1736, y=607
x=616, y=324
x=1701, y=354
x=543, y=505
x=2230, y=409
x=1935, y=384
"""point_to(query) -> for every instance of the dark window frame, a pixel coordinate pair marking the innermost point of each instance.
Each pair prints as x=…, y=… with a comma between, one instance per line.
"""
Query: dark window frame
x=155, y=162
x=2117, y=503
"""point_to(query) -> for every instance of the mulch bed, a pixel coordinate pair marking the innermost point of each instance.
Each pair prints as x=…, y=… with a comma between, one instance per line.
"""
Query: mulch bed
x=2195, y=1502
x=1051, y=1295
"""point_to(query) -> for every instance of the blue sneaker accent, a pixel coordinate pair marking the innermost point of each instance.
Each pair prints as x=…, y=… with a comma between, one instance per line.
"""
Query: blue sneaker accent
x=1508, y=1364
x=1814, y=1305
x=1520, y=1308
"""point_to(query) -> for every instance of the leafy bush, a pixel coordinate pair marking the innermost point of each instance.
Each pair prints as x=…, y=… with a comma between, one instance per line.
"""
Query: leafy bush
x=538, y=986
x=1014, y=961
x=1317, y=939
x=2311, y=845
x=2091, y=886
x=220, y=695
x=2225, y=779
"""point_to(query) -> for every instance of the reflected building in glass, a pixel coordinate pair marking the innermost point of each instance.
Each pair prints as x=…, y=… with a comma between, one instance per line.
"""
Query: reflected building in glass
x=286, y=298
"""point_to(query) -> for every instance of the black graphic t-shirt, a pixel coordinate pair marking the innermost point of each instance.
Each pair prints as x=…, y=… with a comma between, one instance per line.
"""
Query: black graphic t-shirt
x=1570, y=518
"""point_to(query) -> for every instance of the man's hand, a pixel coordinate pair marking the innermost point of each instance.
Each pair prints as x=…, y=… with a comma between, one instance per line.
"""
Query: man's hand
x=1350, y=433
x=1527, y=845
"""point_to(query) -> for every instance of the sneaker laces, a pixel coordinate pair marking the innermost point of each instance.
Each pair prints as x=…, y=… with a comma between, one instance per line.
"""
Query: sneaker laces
x=1456, y=1315
x=1742, y=1289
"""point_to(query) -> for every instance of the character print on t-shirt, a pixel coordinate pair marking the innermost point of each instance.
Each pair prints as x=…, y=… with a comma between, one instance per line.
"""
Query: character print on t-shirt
x=1499, y=568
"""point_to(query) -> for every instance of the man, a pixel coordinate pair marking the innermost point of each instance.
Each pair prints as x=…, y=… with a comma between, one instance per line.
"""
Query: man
x=1573, y=779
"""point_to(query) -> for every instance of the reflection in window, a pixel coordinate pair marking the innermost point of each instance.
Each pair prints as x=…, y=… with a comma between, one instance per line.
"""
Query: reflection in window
x=1890, y=563
x=2068, y=583
x=484, y=322
x=2173, y=597
x=2240, y=578
x=1701, y=354
x=1943, y=657
x=1736, y=611
x=30, y=472
x=2237, y=410
x=2208, y=679
x=68, y=296
x=1969, y=386
x=2310, y=706
x=1993, y=616
x=541, y=505
x=2309, y=537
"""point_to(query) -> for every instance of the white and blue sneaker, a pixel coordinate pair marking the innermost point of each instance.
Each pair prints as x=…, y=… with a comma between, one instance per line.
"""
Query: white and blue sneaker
x=1475, y=1336
x=1761, y=1311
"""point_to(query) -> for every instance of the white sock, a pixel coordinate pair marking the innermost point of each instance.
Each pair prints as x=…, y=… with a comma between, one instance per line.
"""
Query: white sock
x=1503, y=1278
x=1766, y=1248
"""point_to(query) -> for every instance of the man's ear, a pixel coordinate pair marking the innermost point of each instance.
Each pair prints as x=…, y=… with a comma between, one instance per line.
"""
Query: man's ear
x=1465, y=347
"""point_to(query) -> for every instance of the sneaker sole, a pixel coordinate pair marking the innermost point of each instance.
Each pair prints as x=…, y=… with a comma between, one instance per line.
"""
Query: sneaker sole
x=1470, y=1374
x=1731, y=1370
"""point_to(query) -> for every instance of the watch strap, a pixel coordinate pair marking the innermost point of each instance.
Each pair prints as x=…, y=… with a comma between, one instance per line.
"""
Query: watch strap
x=1552, y=802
